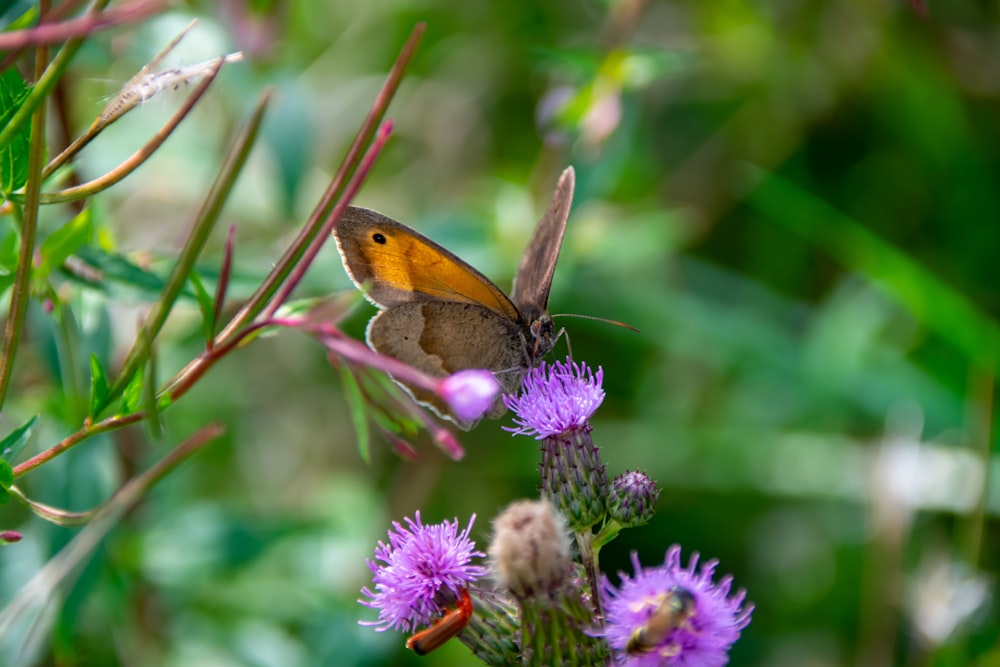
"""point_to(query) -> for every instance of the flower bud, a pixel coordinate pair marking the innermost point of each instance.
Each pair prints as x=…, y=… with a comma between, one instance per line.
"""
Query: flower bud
x=632, y=499
x=531, y=549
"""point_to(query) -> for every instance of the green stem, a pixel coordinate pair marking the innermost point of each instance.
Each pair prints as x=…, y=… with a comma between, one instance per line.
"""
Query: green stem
x=43, y=86
x=88, y=430
x=589, y=558
x=22, y=275
x=608, y=532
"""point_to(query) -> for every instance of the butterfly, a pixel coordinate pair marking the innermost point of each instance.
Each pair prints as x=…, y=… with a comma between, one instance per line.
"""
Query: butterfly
x=440, y=315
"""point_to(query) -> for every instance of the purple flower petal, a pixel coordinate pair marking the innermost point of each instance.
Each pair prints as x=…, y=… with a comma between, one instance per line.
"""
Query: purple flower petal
x=470, y=393
x=417, y=564
x=555, y=399
x=703, y=640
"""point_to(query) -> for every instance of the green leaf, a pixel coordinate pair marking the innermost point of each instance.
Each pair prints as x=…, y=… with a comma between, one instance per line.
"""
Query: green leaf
x=15, y=441
x=205, y=305
x=6, y=479
x=8, y=258
x=356, y=406
x=6, y=475
x=120, y=269
x=17, y=14
x=132, y=396
x=149, y=398
x=64, y=242
x=98, y=385
x=13, y=156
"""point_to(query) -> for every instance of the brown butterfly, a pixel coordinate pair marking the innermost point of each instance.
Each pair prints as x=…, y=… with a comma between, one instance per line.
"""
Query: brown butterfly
x=439, y=314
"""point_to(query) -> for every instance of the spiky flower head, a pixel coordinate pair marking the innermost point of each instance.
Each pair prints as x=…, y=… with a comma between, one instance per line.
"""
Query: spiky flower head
x=633, y=498
x=699, y=634
x=419, y=572
x=555, y=398
x=555, y=402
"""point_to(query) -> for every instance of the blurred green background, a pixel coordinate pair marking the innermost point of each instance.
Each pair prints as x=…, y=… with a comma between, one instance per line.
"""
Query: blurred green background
x=797, y=203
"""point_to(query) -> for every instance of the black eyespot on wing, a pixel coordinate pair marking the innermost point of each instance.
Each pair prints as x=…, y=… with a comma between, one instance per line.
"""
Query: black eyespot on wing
x=379, y=238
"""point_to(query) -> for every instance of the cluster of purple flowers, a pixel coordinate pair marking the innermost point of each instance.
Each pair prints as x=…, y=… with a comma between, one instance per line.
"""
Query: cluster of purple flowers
x=532, y=601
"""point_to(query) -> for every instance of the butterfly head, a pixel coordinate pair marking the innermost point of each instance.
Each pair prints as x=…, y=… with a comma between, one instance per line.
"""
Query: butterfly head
x=541, y=337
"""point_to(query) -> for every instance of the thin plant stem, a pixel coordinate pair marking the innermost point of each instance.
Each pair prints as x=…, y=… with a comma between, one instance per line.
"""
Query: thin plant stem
x=133, y=162
x=80, y=27
x=20, y=293
x=215, y=350
x=311, y=250
x=44, y=83
x=204, y=223
x=283, y=267
x=89, y=429
x=979, y=417
x=589, y=558
x=100, y=123
x=38, y=591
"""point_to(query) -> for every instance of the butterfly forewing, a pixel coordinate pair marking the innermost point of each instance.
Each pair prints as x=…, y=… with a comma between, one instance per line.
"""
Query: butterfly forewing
x=398, y=265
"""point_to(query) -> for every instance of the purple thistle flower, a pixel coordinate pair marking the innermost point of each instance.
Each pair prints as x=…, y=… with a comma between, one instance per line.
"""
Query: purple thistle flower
x=704, y=633
x=421, y=571
x=470, y=393
x=555, y=398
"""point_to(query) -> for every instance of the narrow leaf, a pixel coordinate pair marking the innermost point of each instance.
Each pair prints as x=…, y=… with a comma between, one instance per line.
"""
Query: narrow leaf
x=17, y=14
x=15, y=441
x=98, y=386
x=149, y=397
x=358, y=410
x=132, y=396
x=14, y=155
x=6, y=475
x=64, y=242
x=224, y=273
x=205, y=305
x=6, y=479
x=120, y=269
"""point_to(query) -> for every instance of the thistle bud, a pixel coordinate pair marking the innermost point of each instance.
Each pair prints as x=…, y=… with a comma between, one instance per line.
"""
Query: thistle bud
x=531, y=549
x=632, y=499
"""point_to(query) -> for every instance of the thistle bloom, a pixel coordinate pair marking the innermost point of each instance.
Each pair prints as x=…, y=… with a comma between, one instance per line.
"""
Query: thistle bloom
x=555, y=402
x=470, y=393
x=419, y=573
x=703, y=635
x=555, y=399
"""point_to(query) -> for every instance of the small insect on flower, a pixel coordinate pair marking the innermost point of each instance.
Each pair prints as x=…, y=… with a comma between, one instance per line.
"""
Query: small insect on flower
x=672, y=610
x=446, y=627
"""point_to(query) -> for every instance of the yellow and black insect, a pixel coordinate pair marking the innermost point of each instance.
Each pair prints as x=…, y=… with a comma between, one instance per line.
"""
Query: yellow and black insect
x=672, y=609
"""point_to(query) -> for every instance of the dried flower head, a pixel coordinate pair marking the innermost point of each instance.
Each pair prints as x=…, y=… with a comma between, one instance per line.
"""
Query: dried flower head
x=531, y=550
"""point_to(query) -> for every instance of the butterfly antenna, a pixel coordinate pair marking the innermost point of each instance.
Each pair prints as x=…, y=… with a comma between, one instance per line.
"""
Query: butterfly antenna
x=569, y=348
x=600, y=319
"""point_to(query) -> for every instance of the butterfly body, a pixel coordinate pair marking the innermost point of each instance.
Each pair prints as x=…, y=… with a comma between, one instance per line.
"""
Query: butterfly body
x=441, y=315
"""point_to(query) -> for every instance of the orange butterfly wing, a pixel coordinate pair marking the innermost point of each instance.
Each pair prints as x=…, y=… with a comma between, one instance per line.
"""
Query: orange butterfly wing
x=397, y=265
